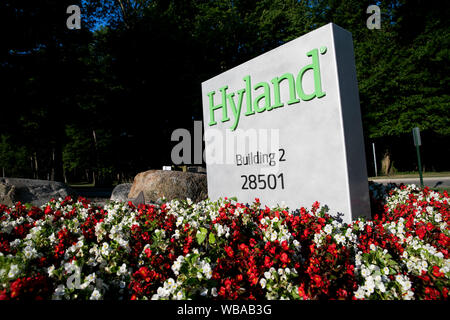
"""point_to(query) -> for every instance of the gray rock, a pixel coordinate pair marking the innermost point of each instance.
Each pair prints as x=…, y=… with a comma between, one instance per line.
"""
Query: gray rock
x=120, y=192
x=7, y=194
x=37, y=192
x=171, y=185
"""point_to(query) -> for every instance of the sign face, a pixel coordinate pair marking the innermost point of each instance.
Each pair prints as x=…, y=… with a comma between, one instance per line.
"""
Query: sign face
x=285, y=127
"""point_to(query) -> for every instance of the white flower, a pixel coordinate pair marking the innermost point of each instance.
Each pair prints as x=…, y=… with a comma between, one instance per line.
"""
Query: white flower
x=204, y=292
x=207, y=271
x=424, y=265
x=59, y=291
x=370, y=283
x=328, y=229
x=13, y=271
x=339, y=238
x=273, y=236
x=365, y=272
x=105, y=249
x=262, y=282
x=318, y=238
x=50, y=270
x=15, y=243
x=214, y=292
x=386, y=270
x=91, y=278
x=409, y=295
x=359, y=294
x=122, y=269
x=95, y=295
x=176, y=235
x=348, y=233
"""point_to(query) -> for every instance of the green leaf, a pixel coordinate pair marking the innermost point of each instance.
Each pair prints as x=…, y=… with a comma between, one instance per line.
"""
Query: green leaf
x=212, y=238
x=201, y=235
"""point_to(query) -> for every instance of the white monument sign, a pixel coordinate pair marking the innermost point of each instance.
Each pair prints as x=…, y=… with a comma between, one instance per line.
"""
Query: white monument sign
x=285, y=127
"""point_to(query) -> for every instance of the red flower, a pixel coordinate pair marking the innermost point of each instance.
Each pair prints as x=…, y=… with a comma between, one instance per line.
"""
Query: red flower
x=267, y=262
x=421, y=232
x=437, y=272
x=48, y=210
x=229, y=251
x=3, y=295
x=317, y=280
x=301, y=291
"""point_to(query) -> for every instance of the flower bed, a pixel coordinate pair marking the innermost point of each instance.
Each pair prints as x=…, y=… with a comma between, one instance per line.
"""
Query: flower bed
x=69, y=249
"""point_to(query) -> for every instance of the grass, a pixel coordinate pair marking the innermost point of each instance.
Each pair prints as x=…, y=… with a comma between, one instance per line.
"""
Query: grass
x=441, y=189
x=400, y=175
x=81, y=185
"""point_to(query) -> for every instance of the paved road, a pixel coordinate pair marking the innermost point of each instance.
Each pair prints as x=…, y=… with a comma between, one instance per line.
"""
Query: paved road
x=432, y=182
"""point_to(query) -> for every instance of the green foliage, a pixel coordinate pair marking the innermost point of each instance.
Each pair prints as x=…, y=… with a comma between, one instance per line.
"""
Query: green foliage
x=111, y=77
x=12, y=158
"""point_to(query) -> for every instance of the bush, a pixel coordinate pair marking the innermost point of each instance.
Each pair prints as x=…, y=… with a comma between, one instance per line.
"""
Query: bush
x=69, y=249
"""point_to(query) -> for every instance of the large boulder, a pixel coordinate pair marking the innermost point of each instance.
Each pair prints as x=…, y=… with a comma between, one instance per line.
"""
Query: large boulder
x=120, y=192
x=37, y=192
x=7, y=194
x=171, y=185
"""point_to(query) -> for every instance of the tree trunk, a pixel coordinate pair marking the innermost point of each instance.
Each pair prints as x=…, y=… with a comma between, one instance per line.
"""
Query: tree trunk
x=36, y=168
x=64, y=175
x=97, y=161
x=58, y=162
x=52, y=174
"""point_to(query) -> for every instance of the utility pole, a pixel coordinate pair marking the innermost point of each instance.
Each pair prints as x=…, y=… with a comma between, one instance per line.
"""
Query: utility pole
x=374, y=159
